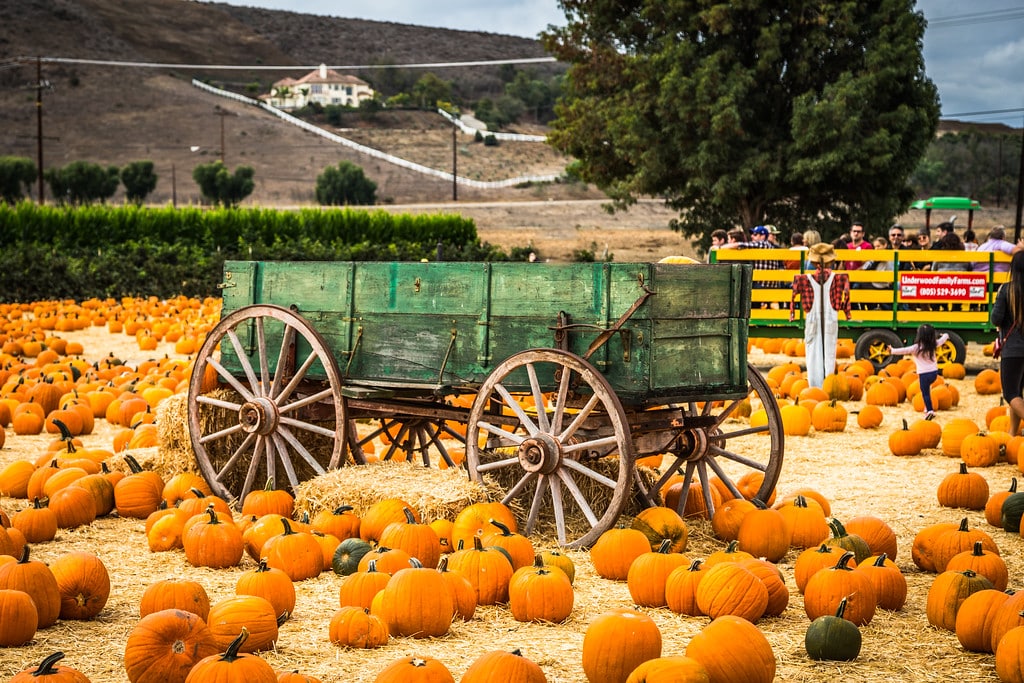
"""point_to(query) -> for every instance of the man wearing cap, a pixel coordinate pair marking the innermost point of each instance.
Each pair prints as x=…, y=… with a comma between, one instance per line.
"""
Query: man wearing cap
x=761, y=238
x=822, y=294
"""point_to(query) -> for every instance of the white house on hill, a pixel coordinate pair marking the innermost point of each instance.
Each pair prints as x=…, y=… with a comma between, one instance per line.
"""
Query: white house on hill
x=323, y=86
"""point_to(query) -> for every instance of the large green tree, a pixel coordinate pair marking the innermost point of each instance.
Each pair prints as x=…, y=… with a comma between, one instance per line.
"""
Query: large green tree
x=802, y=114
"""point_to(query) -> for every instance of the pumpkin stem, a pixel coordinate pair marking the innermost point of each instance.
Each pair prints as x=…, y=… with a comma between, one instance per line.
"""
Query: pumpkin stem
x=963, y=468
x=342, y=509
x=409, y=519
x=65, y=433
x=262, y=566
x=287, y=527
x=46, y=666
x=963, y=525
x=838, y=530
x=505, y=531
x=842, y=561
x=538, y=561
x=695, y=565
x=880, y=562
x=1013, y=485
x=664, y=546
x=979, y=549
x=133, y=464
x=232, y=652
x=442, y=564
x=269, y=486
x=841, y=609
x=213, y=515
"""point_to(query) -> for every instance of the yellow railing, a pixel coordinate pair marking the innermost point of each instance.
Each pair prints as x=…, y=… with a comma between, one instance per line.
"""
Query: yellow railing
x=886, y=306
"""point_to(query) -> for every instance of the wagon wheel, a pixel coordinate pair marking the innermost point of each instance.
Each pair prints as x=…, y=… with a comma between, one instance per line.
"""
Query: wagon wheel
x=273, y=414
x=410, y=438
x=550, y=460
x=729, y=448
x=873, y=345
x=953, y=351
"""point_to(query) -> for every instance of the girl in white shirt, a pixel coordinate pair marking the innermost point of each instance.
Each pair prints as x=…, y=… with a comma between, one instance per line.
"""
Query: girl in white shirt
x=923, y=353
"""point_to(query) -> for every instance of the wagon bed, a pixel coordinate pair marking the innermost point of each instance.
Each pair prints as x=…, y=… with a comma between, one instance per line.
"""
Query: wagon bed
x=553, y=378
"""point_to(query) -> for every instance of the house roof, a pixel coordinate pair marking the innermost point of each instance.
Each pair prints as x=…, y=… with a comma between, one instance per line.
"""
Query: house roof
x=314, y=76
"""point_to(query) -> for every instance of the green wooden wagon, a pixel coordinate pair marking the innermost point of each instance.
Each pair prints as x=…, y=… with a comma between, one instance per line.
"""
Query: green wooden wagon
x=554, y=379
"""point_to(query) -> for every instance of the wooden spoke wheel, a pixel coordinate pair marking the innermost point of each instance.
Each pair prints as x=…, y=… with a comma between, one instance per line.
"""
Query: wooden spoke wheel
x=411, y=438
x=729, y=448
x=265, y=403
x=565, y=458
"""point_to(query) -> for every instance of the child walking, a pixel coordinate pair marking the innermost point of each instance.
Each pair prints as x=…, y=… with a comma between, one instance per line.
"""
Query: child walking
x=923, y=353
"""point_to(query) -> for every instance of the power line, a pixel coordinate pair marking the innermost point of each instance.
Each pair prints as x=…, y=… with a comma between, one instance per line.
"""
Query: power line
x=297, y=67
x=976, y=18
x=987, y=112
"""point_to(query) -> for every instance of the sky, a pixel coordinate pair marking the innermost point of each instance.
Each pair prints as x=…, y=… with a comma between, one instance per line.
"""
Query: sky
x=974, y=52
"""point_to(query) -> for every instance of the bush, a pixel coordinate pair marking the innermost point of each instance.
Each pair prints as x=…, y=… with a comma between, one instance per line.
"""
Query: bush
x=139, y=180
x=345, y=184
x=82, y=182
x=221, y=187
x=16, y=177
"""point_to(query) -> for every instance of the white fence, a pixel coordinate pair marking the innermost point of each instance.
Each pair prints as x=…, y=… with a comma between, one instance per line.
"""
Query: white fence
x=376, y=153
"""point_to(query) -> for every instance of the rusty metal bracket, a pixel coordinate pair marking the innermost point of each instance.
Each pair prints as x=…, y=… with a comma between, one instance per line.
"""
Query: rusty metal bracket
x=447, y=355
x=352, y=353
x=607, y=334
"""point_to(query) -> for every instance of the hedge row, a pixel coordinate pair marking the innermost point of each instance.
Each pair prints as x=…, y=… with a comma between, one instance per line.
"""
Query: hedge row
x=102, y=251
x=229, y=230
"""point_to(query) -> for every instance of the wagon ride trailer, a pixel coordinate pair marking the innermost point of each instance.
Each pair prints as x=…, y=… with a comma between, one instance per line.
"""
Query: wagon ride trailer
x=555, y=379
x=958, y=303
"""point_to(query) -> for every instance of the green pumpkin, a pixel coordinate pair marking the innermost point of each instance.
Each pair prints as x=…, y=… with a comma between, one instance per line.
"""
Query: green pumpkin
x=1012, y=511
x=833, y=638
x=852, y=542
x=347, y=555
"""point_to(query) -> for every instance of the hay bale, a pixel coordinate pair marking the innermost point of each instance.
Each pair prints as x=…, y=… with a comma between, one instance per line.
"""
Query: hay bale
x=435, y=493
x=175, y=452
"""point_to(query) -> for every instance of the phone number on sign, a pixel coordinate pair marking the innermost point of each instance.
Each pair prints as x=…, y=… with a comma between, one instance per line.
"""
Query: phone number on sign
x=960, y=287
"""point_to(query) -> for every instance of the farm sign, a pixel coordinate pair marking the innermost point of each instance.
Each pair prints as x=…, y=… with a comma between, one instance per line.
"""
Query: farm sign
x=927, y=286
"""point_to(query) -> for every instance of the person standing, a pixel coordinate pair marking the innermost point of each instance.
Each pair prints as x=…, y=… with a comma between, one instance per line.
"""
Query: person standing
x=1008, y=316
x=923, y=353
x=823, y=293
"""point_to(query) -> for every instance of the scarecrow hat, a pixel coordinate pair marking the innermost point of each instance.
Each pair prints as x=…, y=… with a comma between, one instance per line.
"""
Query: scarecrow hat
x=821, y=252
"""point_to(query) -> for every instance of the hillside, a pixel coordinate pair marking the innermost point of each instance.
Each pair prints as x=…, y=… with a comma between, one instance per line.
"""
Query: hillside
x=115, y=115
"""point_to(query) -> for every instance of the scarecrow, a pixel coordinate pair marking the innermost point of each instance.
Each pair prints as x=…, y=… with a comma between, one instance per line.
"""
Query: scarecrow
x=821, y=311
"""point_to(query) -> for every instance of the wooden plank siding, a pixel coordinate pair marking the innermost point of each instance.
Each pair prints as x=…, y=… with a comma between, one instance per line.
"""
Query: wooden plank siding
x=442, y=327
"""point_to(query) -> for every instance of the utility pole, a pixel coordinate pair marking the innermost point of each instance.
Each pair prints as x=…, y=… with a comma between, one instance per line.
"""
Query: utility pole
x=39, y=126
x=455, y=162
x=222, y=113
x=1020, y=189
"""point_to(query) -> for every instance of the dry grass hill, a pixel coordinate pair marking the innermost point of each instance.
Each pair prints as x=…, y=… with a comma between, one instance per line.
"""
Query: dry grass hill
x=115, y=115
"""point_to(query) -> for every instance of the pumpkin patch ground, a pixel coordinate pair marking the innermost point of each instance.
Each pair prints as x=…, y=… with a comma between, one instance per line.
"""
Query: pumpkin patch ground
x=853, y=469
